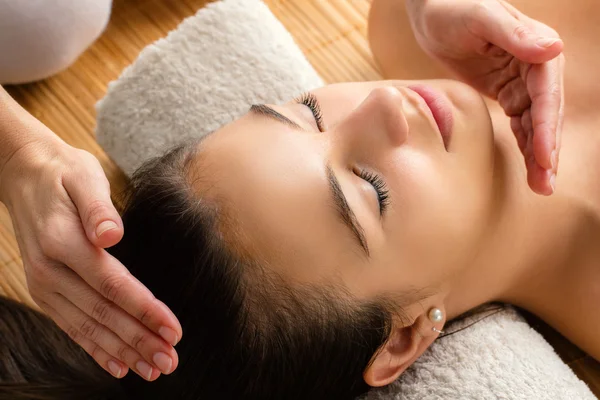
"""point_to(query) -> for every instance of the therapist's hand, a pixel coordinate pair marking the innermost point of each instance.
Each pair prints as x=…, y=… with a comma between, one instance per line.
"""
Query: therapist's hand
x=59, y=200
x=508, y=56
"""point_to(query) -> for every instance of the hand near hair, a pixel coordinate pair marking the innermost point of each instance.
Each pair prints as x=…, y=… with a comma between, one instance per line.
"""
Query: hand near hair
x=59, y=201
x=508, y=56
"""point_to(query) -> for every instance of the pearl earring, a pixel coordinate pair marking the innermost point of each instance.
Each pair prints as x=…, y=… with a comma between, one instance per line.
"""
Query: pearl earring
x=436, y=315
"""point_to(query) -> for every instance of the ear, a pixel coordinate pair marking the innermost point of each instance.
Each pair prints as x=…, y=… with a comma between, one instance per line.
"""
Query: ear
x=404, y=346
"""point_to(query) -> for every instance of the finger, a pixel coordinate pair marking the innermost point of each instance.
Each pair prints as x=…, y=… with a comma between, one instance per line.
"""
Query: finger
x=517, y=128
x=110, y=364
x=513, y=97
x=537, y=177
x=561, y=112
x=527, y=126
x=494, y=23
x=111, y=279
x=82, y=326
x=91, y=196
x=544, y=85
x=125, y=327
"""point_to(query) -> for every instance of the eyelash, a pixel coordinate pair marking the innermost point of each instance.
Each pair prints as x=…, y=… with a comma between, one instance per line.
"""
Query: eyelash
x=383, y=193
x=310, y=101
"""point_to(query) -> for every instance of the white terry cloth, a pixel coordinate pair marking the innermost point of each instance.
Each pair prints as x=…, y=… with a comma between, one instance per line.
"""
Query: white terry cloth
x=39, y=38
x=206, y=73
x=499, y=357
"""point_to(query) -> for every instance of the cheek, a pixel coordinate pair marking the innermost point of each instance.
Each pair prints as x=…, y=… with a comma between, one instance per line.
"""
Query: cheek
x=436, y=220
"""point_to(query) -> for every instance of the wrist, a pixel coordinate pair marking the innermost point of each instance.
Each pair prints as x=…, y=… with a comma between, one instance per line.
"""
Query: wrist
x=414, y=13
x=8, y=169
x=414, y=7
x=12, y=131
x=18, y=130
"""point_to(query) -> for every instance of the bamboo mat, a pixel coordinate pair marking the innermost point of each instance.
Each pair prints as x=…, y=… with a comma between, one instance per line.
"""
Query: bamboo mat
x=332, y=34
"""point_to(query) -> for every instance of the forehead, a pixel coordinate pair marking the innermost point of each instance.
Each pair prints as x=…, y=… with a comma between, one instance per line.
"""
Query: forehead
x=274, y=183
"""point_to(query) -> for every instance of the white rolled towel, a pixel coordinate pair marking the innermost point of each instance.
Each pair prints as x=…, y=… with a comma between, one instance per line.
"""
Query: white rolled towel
x=205, y=74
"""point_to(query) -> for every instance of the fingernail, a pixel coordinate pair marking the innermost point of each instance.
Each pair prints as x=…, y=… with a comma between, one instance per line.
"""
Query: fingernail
x=105, y=226
x=553, y=159
x=144, y=369
x=546, y=42
x=169, y=335
x=553, y=182
x=114, y=368
x=163, y=362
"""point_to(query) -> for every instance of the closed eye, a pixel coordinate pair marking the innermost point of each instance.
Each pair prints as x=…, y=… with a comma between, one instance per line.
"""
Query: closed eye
x=383, y=193
x=311, y=101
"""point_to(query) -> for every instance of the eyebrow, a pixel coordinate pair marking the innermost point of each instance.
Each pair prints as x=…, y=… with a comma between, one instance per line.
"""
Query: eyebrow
x=263, y=109
x=341, y=204
x=345, y=212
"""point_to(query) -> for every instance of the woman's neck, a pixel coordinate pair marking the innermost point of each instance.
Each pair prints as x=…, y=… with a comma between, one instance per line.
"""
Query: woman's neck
x=530, y=241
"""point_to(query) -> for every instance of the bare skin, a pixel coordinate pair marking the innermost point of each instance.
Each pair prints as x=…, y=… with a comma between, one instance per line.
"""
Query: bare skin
x=460, y=226
x=551, y=243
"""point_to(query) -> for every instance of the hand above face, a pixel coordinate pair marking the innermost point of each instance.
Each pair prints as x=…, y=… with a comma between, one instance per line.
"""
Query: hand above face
x=510, y=57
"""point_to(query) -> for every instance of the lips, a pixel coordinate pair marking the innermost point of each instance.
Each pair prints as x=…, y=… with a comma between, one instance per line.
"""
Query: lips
x=440, y=108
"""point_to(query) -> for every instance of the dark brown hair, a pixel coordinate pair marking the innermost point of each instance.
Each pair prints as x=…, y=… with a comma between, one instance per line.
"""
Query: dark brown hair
x=247, y=333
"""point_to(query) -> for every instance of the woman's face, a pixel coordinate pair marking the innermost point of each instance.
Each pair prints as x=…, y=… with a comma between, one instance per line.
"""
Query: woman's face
x=367, y=193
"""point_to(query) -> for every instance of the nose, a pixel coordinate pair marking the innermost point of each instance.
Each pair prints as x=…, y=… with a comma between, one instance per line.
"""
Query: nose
x=377, y=123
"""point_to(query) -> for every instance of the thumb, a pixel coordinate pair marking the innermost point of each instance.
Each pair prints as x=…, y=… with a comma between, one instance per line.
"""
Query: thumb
x=505, y=27
x=100, y=219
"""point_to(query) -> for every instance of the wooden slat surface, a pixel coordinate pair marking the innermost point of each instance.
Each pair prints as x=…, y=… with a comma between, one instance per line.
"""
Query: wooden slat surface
x=332, y=34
